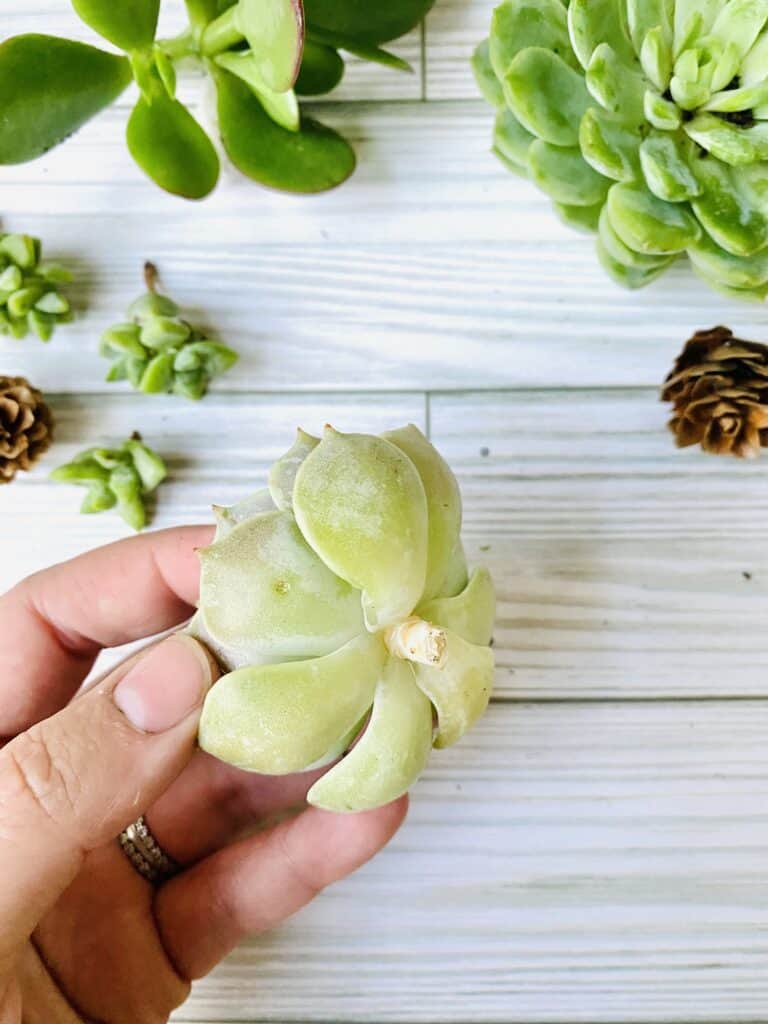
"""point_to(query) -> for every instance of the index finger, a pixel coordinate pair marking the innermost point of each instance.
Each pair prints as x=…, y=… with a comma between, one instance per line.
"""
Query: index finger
x=53, y=624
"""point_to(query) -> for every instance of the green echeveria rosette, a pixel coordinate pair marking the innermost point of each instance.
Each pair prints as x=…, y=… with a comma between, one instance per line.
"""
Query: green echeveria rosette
x=120, y=478
x=646, y=121
x=30, y=299
x=158, y=352
x=341, y=591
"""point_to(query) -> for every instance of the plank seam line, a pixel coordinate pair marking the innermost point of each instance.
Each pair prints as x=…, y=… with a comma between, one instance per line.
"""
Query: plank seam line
x=739, y=698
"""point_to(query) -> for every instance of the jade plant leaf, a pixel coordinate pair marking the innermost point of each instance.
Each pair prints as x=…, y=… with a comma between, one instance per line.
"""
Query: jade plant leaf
x=275, y=33
x=49, y=88
x=281, y=107
x=313, y=159
x=283, y=718
x=390, y=755
x=171, y=148
x=321, y=70
x=361, y=505
x=365, y=51
x=127, y=24
x=264, y=582
x=360, y=19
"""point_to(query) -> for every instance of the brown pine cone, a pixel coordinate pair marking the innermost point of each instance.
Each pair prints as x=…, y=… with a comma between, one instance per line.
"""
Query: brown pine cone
x=719, y=389
x=26, y=426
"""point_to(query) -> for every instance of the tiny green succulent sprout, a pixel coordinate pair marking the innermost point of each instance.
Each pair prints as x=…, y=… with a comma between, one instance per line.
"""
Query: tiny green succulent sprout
x=339, y=602
x=261, y=55
x=30, y=294
x=158, y=352
x=646, y=122
x=119, y=478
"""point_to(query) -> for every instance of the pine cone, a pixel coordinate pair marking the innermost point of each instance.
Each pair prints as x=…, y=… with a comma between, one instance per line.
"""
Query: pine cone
x=26, y=426
x=719, y=388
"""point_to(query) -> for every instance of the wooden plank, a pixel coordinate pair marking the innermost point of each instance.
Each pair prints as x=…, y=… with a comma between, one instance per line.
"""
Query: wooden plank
x=624, y=567
x=566, y=863
x=217, y=451
x=453, y=30
x=431, y=268
x=362, y=80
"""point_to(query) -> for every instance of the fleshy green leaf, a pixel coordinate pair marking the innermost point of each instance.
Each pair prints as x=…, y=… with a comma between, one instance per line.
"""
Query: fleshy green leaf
x=656, y=58
x=360, y=19
x=360, y=503
x=457, y=574
x=621, y=254
x=313, y=159
x=564, y=174
x=511, y=140
x=580, y=218
x=609, y=145
x=731, y=207
x=661, y=113
x=321, y=70
x=267, y=595
x=666, y=162
x=282, y=475
x=275, y=33
x=470, y=614
x=148, y=464
x=390, y=755
x=734, y=271
x=616, y=86
x=546, y=96
x=363, y=50
x=460, y=690
x=628, y=277
x=645, y=15
x=649, y=225
x=733, y=144
x=443, y=502
x=739, y=23
x=171, y=147
x=157, y=377
x=693, y=20
x=281, y=107
x=127, y=24
x=278, y=719
x=517, y=25
x=485, y=76
x=591, y=22
x=49, y=88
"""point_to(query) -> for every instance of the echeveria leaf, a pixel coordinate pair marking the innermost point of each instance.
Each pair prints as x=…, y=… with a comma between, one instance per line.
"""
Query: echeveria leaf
x=227, y=517
x=693, y=20
x=645, y=15
x=580, y=218
x=591, y=22
x=511, y=140
x=609, y=145
x=661, y=113
x=666, y=162
x=519, y=24
x=313, y=159
x=171, y=148
x=391, y=753
x=321, y=70
x=733, y=144
x=127, y=24
x=282, y=476
x=547, y=96
x=460, y=690
x=283, y=718
x=485, y=76
x=564, y=174
x=616, y=85
x=268, y=595
x=275, y=33
x=622, y=254
x=360, y=19
x=656, y=58
x=628, y=277
x=731, y=210
x=649, y=225
x=49, y=88
x=282, y=107
x=443, y=502
x=470, y=614
x=739, y=23
x=733, y=271
x=457, y=574
x=360, y=503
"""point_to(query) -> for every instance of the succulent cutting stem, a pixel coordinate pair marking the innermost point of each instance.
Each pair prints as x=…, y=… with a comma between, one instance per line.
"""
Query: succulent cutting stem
x=413, y=639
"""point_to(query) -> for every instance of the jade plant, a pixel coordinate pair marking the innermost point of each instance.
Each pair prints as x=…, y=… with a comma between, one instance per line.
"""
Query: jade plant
x=120, y=478
x=339, y=603
x=646, y=121
x=158, y=352
x=30, y=295
x=260, y=55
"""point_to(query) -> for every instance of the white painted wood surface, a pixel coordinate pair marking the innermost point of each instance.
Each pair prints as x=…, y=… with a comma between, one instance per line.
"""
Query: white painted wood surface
x=598, y=849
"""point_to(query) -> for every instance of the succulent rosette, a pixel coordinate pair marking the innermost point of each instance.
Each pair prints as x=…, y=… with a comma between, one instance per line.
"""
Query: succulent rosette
x=339, y=601
x=646, y=121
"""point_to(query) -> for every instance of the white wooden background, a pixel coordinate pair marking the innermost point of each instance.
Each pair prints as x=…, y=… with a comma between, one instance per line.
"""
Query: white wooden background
x=597, y=850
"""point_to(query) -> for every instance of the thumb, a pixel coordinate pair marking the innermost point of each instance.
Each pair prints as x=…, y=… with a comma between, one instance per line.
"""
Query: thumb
x=72, y=782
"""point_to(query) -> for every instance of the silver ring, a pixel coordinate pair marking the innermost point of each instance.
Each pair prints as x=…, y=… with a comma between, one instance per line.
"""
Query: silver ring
x=146, y=854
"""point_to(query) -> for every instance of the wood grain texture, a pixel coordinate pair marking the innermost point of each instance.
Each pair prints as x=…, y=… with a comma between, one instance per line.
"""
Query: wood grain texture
x=562, y=863
x=453, y=30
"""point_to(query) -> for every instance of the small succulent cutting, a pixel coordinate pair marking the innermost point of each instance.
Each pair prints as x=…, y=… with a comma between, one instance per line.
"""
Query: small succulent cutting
x=30, y=299
x=339, y=602
x=259, y=54
x=120, y=478
x=158, y=352
x=646, y=121
x=718, y=388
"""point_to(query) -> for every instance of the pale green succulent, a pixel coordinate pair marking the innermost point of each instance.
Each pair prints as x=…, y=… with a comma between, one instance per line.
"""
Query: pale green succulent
x=340, y=590
x=30, y=294
x=646, y=121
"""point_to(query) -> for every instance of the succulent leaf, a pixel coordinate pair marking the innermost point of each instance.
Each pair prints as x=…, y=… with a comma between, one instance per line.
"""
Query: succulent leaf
x=29, y=295
x=391, y=753
x=730, y=209
x=460, y=690
x=282, y=476
x=321, y=70
x=590, y=22
x=128, y=25
x=282, y=718
x=609, y=145
x=648, y=224
x=547, y=96
x=510, y=139
x=666, y=162
x=565, y=175
x=485, y=76
x=282, y=107
x=517, y=25
x=470, y=614
x=361, y=505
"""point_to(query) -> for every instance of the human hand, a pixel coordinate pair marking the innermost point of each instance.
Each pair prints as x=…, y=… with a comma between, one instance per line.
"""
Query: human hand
x=82, y=935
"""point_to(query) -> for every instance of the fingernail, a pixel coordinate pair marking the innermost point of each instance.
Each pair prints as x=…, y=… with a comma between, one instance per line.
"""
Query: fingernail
x=164, y=686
